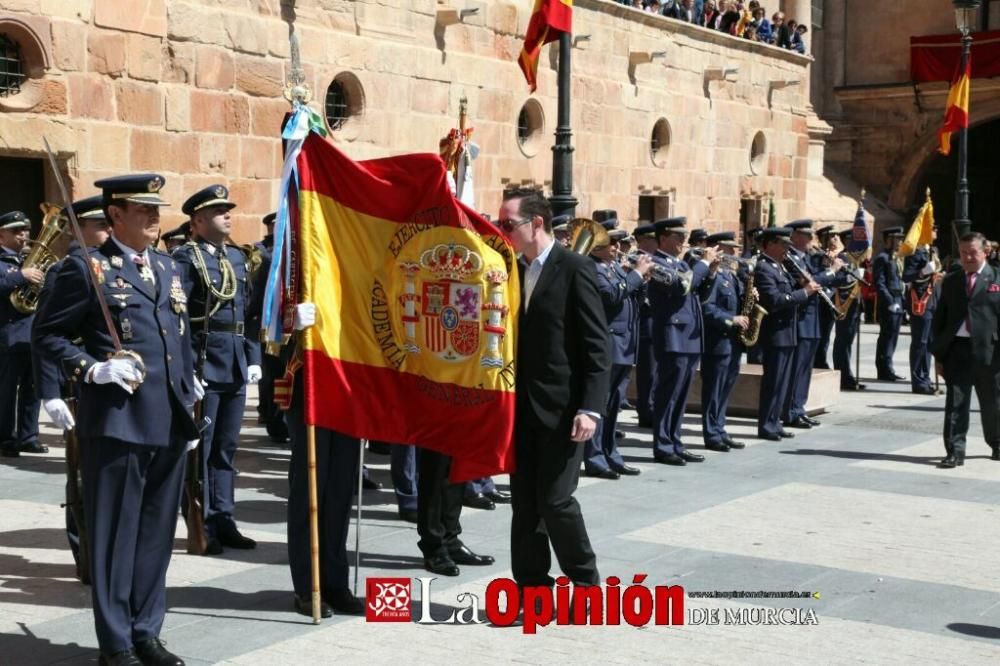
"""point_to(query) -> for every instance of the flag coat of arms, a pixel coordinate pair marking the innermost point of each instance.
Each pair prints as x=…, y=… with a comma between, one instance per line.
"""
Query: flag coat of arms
x=416, y=299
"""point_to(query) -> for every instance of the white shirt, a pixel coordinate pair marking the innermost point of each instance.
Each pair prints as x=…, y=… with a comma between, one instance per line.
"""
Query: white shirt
x=963, y=330
x=129, y=253
x=534, y=272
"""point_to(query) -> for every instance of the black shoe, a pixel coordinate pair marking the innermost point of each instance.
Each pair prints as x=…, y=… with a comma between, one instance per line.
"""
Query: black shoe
x=798, y=423
x=441, y=565
x=628, y=470
x=671, y=459
x=213, y=547
x=821, y=366
x=687, y=456
x=890, y=377
x=856, y=386
x=123, y=658
x=34, y=447
x=732, y=443
x=304, y=606
x=952, y=461
x=996, y=454
x=769, y=436
x=408, y=515
x=230, y=537
x=784, y=434
x=645, y=422
x=152, y=653
x=343, y=602
x=369, y=483
x=925, y=390
x=722, y=447
x=10, y=453
x=465, y=556
x=626, y=404
x=810, y=420
x=499, y=497
x=619, y=435
x=478, y=501
x=608, y=474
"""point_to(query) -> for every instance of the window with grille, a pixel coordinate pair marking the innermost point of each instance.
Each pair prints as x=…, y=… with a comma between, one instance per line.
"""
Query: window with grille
x=336, y=106
x=11, y=67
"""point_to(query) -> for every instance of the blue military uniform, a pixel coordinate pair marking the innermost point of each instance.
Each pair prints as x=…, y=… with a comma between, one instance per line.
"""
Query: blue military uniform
x=268, y=413
x=645, y=360
x=846, y=329
x=619, y=291
x=677, y=343
x=889, y=284
x=228, y=352
x=132, y=445
x=826, y=315
x=18, y=402
x=778, y=294
x=919, y=271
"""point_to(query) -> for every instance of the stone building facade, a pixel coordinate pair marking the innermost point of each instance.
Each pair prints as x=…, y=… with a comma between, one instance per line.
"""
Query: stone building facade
x=667, y=117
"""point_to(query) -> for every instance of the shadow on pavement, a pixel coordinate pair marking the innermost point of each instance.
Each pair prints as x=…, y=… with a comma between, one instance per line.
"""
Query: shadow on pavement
x=27, y=648
x=977, y=630
x=868, y=455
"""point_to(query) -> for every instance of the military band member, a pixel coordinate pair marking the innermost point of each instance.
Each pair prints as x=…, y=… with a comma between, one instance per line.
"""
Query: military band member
x=720, y=362
x=645, y=359
x=214, y=275
x=134, y=418
x=801, y=263
x=18, y=403
x=177, y=237
x=780, y=295
x=677, y=339
x=886, y=274
x=828, y=243
x=560, y=229
x=847, y=296
x=920, y=272
x=697, y=240
x=268, y=414
x=619, y=292
x=751, y=252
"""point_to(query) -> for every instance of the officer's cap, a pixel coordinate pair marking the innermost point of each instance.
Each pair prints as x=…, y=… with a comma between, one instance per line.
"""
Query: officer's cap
x=15, y=220
x=715, y=239
x=561, y=222
x=213, y=195
x=182, y=232
x=269, y=218
x=890, y=232
x=607, y=218
x=753, y=233
x=846, y=234
x=91, y=208
x=823, y=231
x=697, y=235
x=804, y=226
x=140, y=188
x=670, y=224
x=617, y=235
x=645, y=231
x=776, y=233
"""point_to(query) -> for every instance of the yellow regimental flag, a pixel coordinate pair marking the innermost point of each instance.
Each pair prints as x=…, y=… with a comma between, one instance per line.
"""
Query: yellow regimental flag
x=921, y=231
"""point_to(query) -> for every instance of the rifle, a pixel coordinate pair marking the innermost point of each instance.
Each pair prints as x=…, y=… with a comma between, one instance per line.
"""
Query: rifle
x=197, y=544
x=74, y=495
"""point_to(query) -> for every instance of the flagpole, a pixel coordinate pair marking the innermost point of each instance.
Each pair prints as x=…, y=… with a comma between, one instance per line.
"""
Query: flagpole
x=962, y=221
x=313, y=520
x=357, y=524
x=562, y=200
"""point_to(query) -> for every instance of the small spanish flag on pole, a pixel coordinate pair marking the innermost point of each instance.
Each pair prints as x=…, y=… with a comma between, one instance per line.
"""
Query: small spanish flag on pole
x=549, y=19
x=956, y=114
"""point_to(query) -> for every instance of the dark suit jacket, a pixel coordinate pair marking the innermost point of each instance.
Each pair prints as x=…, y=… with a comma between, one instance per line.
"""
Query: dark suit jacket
x=983, y=309
x=779, y=296
x=563, y=354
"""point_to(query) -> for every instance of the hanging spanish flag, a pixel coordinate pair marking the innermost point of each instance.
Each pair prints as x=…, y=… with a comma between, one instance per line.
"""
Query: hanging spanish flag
x=549, y=19
x=921, y=231
x=416, y=297
x=956, y=112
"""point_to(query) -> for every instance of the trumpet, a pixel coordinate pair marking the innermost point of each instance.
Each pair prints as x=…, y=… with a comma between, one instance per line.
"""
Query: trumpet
x=657, y=273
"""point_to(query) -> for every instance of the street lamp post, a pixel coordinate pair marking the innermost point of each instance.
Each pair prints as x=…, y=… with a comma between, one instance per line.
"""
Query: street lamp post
x=563, y=201
x=965, y=16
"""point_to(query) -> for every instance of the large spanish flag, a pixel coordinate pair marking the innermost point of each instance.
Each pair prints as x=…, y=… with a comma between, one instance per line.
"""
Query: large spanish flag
x=549, y=19
x=416, y=301
x=956, y=112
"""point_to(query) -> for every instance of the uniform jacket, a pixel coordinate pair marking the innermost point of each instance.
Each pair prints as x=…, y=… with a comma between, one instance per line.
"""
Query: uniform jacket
x=919, y=285
x=724, y=302
x=982, y=309
x=563, y=354
x=152, y=321
x=228, y=352
x=887, y=280
x=677, y=326
x=15, y=328
x=619, y=291
x=778, y=295
x=807, y=324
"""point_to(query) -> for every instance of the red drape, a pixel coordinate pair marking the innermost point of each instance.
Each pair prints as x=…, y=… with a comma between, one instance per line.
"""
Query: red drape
x=936, y=57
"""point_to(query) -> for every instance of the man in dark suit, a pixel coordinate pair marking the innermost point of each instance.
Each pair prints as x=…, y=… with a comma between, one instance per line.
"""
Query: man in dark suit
x=134, y=417
x=921, y=271
x=563, y=373
x=889, y=283
x=965, y=345
x=778, y=295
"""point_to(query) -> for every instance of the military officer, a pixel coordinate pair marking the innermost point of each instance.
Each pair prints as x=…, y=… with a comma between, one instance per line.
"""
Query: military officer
x=214, y=276
x=645, y=359
x=828, y=244
x=720, y=362
x=697, y=240
x=799, y=263
x=888, y=281
x=677, y=338
x=134, y=417
x=268, y=414
x=619, y=292
x=751, y=252
x=560, y=229
x=847, y=296
x=18, y=404
x=777, y=293
x=175, y=238
x=921, y=271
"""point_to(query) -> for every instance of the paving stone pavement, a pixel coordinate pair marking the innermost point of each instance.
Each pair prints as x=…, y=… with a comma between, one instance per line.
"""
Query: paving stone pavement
x=902, y=554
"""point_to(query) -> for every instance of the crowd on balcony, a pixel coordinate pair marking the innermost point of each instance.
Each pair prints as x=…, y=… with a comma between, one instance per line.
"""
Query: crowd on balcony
x=741, y=19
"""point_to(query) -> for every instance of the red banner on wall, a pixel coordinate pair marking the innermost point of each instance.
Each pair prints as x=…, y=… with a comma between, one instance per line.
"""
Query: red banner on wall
x=936, y=57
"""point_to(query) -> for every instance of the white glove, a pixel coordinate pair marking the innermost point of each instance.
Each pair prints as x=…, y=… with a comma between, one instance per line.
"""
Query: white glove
x=895, y=308
x=59, y=412
x=191, y=445
x=859, y=273
x=928, y=269
x=254, y=374
x=198, y=388
x=120, y=371
x=305, y=315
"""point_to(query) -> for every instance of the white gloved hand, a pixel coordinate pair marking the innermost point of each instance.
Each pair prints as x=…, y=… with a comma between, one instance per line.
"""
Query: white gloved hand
x=859, y=273
x=305, y=316
x=198, y=388
x=59, y=412
x=191, y=445
x=895, y=308
x=120, y=371
x=254, y=374
x=928, y=269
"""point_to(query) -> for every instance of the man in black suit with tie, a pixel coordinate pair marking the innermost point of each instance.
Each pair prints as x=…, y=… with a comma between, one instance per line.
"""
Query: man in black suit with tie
x=563, y=375
x=965, y=344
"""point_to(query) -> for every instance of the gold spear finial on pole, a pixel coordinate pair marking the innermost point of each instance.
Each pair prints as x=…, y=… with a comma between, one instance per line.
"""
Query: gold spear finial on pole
x=296, y=89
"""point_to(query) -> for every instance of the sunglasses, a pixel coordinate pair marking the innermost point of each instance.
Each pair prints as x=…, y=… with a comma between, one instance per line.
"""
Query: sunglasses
x=510, y=224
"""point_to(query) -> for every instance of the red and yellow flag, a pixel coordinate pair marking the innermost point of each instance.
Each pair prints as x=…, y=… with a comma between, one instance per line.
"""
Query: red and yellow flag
x=956, y=112
x=549, y=19
x=921, y=232
x=416, y=300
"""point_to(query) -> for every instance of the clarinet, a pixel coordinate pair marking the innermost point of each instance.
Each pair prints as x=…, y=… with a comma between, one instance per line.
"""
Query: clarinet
x=837, y=314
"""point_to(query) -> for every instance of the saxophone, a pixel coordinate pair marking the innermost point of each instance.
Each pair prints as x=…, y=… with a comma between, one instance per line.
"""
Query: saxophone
x=753, y=312
x=46, y=250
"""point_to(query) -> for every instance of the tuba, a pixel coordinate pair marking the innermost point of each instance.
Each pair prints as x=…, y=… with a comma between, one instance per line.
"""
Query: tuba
x=753, y=311
x=585, y=235
x=49, y=247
